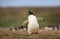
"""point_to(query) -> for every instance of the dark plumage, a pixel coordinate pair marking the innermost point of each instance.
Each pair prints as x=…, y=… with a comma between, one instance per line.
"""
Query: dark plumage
x=30, y=12
x=21, y=27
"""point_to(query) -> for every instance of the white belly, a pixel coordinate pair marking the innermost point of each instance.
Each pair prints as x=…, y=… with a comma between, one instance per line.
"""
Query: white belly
x=33, y=25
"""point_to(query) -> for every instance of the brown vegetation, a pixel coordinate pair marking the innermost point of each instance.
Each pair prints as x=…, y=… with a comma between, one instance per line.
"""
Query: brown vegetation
x=51, y=34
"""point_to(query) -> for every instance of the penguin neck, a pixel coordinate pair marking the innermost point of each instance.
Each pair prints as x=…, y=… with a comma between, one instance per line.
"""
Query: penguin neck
x=31, y=14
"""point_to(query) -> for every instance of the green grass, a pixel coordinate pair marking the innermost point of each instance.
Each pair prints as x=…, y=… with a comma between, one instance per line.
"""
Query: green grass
x=12, y=17
x=18, y=21
x=12, y=22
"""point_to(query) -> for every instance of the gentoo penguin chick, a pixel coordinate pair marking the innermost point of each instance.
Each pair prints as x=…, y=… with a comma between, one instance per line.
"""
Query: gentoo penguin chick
x=33, y=25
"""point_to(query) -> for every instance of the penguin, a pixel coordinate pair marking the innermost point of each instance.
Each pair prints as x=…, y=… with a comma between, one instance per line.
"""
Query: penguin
x=33, y=25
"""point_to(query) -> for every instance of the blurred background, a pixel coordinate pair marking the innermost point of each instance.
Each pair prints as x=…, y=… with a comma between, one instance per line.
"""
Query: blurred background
x=14, y=12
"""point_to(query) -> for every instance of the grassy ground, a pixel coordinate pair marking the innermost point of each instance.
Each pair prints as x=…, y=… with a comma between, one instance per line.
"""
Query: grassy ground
x=18, y=20
x=24, y=35
x=15, y=16
x=11, y=17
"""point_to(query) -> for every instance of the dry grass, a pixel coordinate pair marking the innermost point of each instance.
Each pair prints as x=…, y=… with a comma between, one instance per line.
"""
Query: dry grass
x=5, y=34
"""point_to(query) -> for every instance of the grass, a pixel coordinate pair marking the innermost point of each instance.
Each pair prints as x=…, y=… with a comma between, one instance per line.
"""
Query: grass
x=24, y=35
x=8, y=22
x=15, y=17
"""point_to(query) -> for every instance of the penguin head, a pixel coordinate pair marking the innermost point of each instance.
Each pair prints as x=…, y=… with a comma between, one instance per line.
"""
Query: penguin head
x=30, y=12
